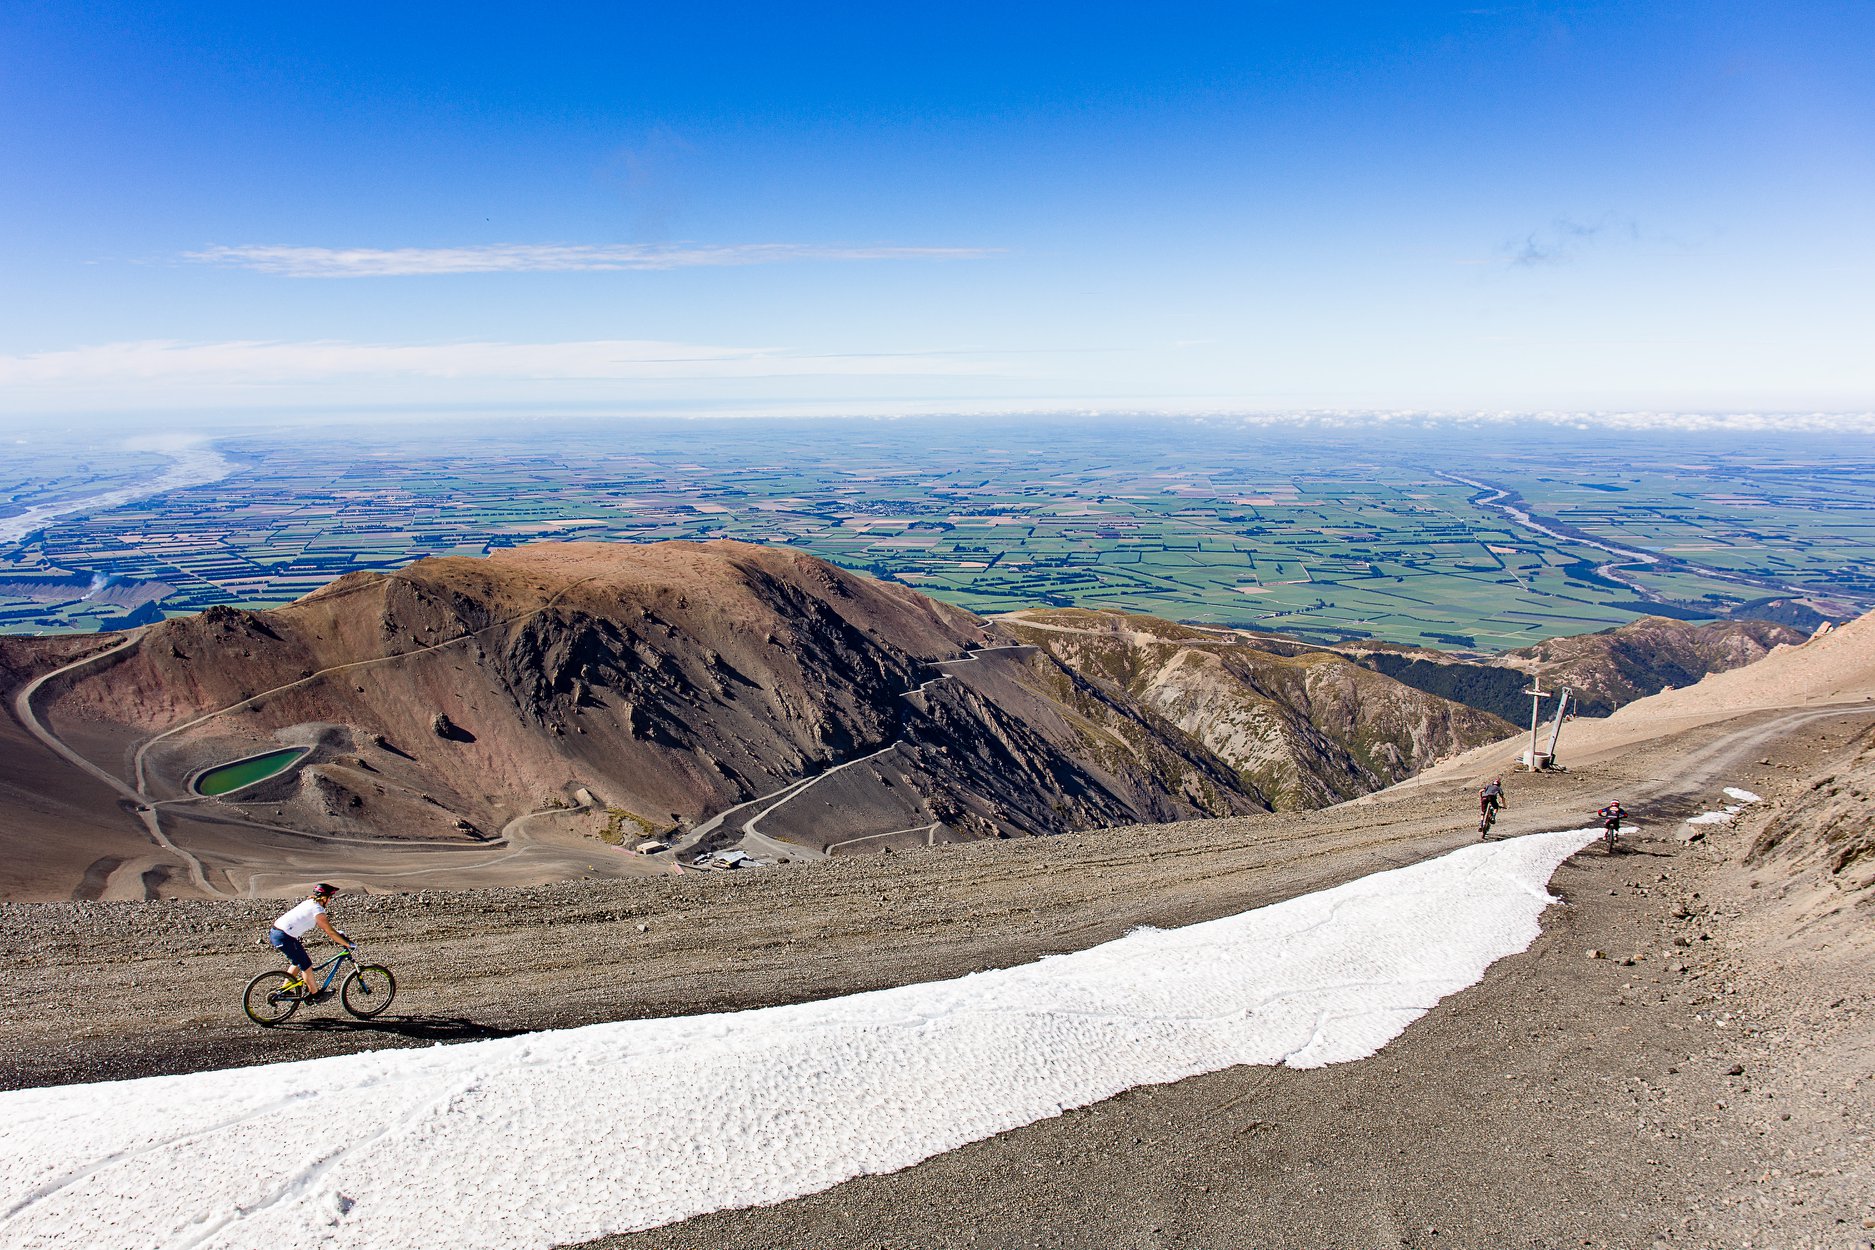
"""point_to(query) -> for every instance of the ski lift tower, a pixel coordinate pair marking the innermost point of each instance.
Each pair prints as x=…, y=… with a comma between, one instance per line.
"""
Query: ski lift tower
x=1534, y=759
x=1555, y=726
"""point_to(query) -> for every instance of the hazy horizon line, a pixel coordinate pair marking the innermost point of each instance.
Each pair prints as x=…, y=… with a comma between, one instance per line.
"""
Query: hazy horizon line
x=209, y=422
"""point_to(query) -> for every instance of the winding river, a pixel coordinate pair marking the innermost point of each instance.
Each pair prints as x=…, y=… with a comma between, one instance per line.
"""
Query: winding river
x=1626, y=557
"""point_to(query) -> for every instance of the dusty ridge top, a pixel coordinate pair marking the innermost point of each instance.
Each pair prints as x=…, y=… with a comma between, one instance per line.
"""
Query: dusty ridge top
x=574, y=573
x=1836, y=666
x=652, y=565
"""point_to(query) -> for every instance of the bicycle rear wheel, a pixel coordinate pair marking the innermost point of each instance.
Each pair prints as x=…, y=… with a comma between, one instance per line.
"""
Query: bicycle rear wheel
x=266, y=1002
x=368, y=990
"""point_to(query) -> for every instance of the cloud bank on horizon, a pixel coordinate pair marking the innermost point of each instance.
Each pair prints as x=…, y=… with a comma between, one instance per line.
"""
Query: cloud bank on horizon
x=628, y=378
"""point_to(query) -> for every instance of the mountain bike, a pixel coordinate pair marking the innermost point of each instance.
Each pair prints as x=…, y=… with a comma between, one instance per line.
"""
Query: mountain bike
x=366, y=991
x=1487, y=820
x=1611, y=833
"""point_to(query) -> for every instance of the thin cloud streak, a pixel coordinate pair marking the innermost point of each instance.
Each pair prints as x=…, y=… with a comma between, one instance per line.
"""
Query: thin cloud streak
x=1512, y=419
x=169, y=374
x=297, y=261
x=1565, y=239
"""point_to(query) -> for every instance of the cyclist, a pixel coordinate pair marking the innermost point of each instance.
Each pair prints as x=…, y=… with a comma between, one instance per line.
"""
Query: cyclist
x=1611, y=821
x=297, y=923
x=1490, y=802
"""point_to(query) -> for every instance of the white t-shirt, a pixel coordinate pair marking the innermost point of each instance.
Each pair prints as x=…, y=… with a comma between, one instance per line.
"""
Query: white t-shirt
x=302, y=919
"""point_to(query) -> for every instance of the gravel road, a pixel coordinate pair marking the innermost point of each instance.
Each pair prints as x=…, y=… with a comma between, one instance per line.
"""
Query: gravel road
x=1566, y=1101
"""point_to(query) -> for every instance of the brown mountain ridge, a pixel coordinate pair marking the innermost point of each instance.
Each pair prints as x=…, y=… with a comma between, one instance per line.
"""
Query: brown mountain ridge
x=1604, y=670
x=501, y=719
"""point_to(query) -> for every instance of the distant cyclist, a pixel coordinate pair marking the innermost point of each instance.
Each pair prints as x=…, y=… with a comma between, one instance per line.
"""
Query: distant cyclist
x=1490, y=802
x=297, y=923
x=1611, y=822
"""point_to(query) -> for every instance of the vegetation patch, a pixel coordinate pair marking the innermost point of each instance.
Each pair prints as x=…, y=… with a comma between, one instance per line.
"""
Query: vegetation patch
x=623, y=827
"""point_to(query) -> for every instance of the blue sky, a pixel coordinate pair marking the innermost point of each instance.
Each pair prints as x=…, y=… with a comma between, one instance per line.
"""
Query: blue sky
x=1257, y=207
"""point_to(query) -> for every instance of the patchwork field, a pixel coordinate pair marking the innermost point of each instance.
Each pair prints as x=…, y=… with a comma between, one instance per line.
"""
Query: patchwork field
x=1388, y=533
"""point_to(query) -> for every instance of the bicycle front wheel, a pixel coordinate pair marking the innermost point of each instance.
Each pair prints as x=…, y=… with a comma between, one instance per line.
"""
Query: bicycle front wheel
x=266, y=1002
x=368, y=990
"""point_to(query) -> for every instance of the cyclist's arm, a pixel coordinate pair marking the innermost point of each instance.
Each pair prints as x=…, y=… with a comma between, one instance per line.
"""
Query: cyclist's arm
x=334, y=934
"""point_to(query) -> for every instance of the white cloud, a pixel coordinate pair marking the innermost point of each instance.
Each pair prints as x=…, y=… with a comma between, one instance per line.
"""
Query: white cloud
x=642, y=375
x=295, y=261
x=1686, y=422
x=169, y=374
x=264, y=363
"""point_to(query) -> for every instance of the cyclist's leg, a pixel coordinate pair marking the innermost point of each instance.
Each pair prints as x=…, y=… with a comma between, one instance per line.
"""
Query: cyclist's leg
x=298, y=962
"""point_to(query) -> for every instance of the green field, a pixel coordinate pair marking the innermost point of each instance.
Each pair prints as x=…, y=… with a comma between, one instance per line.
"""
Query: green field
x=1322, y=533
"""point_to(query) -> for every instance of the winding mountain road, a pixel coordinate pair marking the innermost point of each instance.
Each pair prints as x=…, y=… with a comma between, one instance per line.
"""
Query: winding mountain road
x=147, y=808
x=139, y=802
x=752, y=840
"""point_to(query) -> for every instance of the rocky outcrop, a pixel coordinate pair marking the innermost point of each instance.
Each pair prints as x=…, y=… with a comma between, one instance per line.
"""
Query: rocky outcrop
x=1605, y=670
x=1298, y=730
x=1821, y=841
x=1644, y=657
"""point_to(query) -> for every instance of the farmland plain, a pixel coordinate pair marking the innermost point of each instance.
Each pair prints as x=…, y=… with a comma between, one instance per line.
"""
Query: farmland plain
x=1480, y=537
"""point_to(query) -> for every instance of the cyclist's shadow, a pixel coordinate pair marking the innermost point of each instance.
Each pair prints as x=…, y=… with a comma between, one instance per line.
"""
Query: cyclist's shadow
x=418, y=1028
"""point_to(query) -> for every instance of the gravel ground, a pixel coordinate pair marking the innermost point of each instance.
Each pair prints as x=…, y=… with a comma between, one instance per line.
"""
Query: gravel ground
x=1566, y=1101
x=1644, y=1076
x=1674, y=1100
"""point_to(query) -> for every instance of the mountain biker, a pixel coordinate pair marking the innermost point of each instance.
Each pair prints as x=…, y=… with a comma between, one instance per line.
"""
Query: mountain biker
x=1491, y=797
x=1611, y=821
x=1490, y=802
x=296, y=923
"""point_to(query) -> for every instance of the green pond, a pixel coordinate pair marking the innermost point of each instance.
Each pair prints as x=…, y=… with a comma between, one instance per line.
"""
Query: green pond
x=230, y=777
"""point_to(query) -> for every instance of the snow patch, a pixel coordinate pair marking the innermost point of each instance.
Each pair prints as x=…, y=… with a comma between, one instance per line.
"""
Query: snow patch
x=1743, y=796
x=556, y=1137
